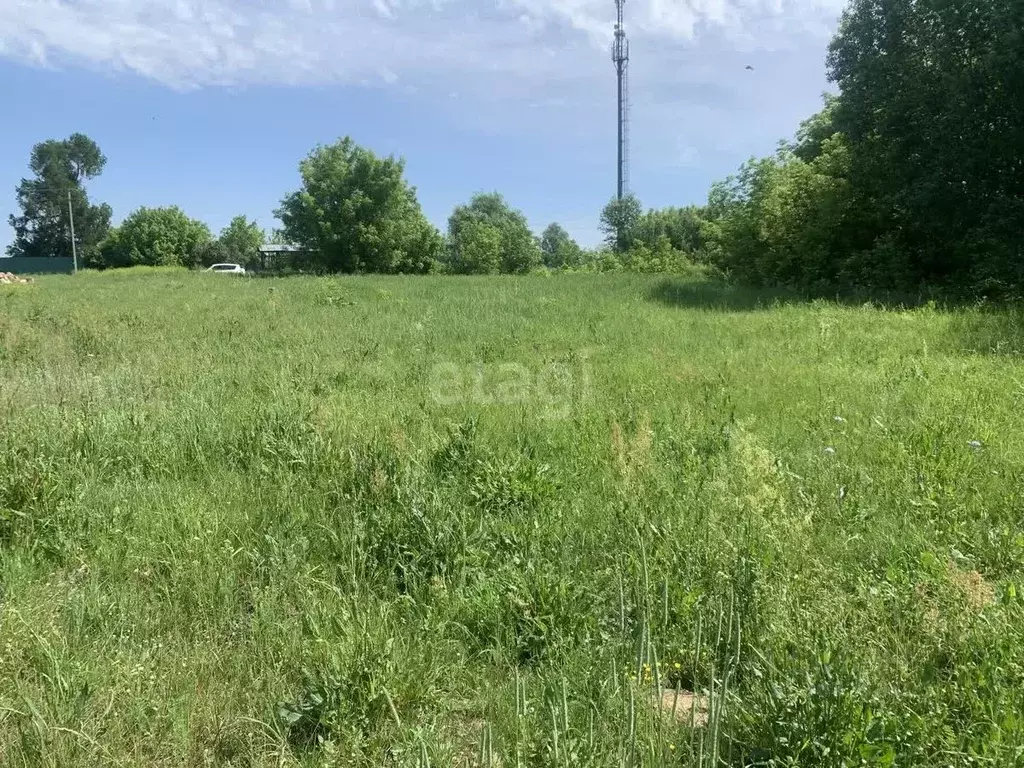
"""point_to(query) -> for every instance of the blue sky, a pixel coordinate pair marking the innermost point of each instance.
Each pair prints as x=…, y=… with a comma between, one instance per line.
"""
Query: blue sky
x=210, y=104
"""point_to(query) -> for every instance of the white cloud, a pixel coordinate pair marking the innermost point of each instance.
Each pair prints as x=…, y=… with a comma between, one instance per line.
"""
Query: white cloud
x=191, y=43
x=536, y=68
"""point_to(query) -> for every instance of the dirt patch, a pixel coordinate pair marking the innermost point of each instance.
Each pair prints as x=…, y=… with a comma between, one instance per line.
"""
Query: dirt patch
x=681, y=706
x=963, y=593
x=632, y=451
x=977, y=593
x=476, y=742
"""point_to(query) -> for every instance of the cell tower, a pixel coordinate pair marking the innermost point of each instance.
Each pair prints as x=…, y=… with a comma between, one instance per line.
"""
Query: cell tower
x=620, y=56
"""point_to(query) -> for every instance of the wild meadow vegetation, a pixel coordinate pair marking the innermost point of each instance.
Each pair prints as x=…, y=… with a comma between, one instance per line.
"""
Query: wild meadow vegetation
x=561, y=518
x=564, y=521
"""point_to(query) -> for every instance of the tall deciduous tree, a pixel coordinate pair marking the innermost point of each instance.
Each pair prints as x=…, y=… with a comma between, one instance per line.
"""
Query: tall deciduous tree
x=241, y=240
x=358, y=213
x=474, y=230
x=475, y=248
x=60, y=169
x=932, y=101
x=619, y=221
x=780, y=221
x=558, y=249
x=155, y=237
x=912, y=175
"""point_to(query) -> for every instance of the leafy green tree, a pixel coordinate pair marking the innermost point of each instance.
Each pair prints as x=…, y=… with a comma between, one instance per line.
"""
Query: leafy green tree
x=619, y=221
x=155, y=237
x=912, y=175
x=357, y=212
x=932, y=103
x=43, y=228
x=470, y=248
x=781, y=220
x=815, y=130
x=659, y=257
x=213, y=252
x=478, y=247
x=604, y=259
x=241, y=241
x=277, y=237
x=558, y=249
x=682, y=228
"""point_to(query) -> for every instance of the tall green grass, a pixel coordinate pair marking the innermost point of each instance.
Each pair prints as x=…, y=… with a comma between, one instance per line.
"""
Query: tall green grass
x=505, y=521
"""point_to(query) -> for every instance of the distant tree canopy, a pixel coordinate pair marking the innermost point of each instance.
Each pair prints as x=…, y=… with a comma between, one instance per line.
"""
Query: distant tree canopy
x=475, y=248
x=43, y=228
x=913, y=174
x=664, y=240
x=487, y=237
x=558, y=249
x=155, y=237
x=357, y=212
x=682, y=228
x=619, y=222
x=241, y=241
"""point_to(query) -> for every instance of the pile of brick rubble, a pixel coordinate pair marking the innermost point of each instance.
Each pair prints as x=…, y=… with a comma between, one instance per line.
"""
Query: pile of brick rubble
x=9, y=278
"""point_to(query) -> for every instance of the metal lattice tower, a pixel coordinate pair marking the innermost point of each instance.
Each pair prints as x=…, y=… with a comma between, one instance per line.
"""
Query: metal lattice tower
x=620, y=56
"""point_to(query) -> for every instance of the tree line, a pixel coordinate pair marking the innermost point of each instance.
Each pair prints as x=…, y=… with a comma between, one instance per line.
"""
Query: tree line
x=354, y=213
x=911, y=175
x=56, y=197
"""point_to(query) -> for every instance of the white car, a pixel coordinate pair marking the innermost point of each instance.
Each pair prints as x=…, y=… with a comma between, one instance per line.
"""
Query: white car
x=227, y=269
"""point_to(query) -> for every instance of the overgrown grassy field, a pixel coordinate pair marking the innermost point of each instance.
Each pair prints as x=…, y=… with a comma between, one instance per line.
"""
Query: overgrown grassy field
x=567, y=521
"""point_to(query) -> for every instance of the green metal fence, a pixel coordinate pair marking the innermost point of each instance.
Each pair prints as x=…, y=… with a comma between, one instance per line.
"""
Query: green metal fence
x=38, y=266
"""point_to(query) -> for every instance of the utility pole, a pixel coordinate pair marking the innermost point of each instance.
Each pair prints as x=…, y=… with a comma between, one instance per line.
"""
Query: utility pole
x=620, y=57
x=71, y=219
